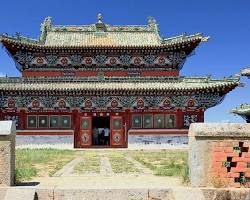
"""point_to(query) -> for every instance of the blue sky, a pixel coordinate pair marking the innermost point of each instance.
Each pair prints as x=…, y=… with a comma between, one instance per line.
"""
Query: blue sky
x=225, y=21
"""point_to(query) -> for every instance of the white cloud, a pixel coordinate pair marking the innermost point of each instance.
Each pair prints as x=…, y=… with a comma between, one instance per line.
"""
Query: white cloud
x=2, y=74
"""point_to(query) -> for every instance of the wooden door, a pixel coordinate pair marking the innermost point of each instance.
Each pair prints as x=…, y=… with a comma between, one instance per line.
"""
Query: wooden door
x=86, y=132
x=117, y=131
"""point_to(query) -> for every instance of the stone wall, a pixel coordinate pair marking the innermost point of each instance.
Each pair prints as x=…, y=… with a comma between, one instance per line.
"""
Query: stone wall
x=219, y=154
x=7, y=153
x=43, y=141
x=164, y=140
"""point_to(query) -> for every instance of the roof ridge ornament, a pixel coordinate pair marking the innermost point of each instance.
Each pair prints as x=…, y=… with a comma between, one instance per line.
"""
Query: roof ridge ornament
x=153, y=24
x=100, y=26
x=45, y=27
x=99, y=18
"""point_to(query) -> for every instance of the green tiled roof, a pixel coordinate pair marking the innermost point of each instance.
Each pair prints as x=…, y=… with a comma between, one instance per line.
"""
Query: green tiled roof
x=244, y=109
x=245, y=72
x=101, y=34
x=182, y=84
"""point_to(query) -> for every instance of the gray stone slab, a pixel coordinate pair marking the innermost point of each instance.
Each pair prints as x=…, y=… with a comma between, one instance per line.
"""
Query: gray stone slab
x=3, y=192
x=107, y=194
x=7, y=153
x=45, y=193
x=7, y=128
x=20, y=194
x=219, y=130
x=161, y=194
x=188, y=194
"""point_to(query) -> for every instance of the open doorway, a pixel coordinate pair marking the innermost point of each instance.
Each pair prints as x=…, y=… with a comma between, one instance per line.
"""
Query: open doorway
x=101, y=131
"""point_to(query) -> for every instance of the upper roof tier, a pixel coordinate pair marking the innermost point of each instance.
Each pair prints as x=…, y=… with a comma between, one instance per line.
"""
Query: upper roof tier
x=103, y=35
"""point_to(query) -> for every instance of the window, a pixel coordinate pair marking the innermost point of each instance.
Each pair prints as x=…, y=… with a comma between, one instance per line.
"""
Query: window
x=117, y=124
x=170, y=121
x=159, y=121
x=43, y=121
x=136, y=121
x=32, y=121
x=85, y=123
x=54, y=121
x=148, y=121
x=65, y=121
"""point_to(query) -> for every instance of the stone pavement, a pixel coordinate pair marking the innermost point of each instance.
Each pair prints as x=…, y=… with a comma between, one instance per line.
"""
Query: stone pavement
x=68, y=169
x=105, y=168
x=106, y=178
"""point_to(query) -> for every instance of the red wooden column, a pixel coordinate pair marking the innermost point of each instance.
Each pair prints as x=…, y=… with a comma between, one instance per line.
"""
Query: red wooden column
x=76, y=126
x=201, y=115
x=22, y=119
x=127, y=121
x=1, y=114
x=179, y=118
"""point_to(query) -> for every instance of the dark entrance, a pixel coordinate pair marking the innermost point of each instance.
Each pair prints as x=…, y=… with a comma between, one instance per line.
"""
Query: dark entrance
x=101, y=131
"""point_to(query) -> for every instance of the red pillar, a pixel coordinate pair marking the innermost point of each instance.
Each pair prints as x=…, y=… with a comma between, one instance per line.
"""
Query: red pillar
x=201, y=115
x=1, y=114
x=22, y=119
x=128, y=124
x=76, y=126
x=179, y=119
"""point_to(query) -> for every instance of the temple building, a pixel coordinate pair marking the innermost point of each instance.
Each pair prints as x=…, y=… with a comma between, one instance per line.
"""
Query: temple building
x=125, y=79
x=244, y=109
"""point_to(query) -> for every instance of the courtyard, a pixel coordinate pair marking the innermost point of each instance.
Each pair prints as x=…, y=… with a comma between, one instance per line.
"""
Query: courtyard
x=99, y=168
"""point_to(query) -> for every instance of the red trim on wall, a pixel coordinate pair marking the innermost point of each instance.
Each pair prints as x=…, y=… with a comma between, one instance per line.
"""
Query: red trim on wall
x=160, y=73
x=28, y=73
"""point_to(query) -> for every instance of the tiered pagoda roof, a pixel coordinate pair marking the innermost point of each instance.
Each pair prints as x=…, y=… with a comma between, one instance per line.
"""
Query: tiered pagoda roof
x=103, y=42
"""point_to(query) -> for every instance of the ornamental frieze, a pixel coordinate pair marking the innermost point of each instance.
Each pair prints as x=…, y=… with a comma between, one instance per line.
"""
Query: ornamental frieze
x=172, y=59
x=111, y=102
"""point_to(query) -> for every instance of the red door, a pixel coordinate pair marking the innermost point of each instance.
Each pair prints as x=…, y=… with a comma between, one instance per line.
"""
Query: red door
x=117, y=131
x=86, y=132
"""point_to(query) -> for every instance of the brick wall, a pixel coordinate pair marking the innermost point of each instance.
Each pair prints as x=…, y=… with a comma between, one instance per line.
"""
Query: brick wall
x=231, y=162
x=219, y=155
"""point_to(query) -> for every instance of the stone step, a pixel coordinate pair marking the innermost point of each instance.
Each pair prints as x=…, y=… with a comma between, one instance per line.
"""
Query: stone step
x=20, y=194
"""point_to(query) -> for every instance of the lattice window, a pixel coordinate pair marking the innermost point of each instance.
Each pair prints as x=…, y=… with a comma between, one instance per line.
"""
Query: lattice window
x=136, y=121
x=147, y=121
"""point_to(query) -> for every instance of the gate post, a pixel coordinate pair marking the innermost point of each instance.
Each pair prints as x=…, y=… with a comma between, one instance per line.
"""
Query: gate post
x=7, y=153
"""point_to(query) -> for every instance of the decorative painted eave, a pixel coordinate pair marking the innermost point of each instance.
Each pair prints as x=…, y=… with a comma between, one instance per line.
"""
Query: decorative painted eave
x=182, y=85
